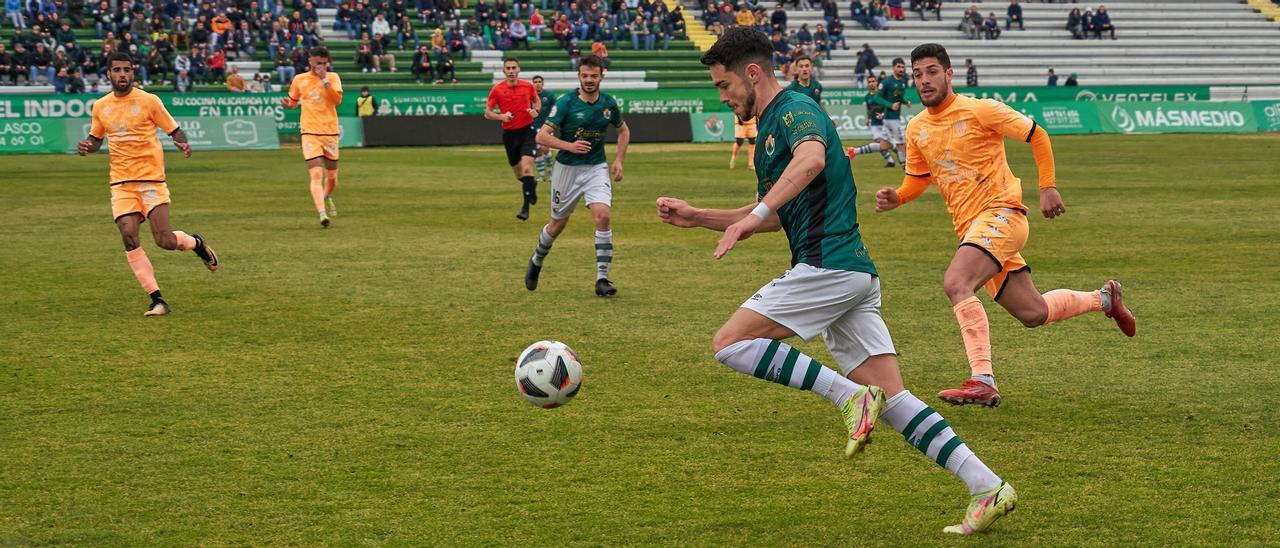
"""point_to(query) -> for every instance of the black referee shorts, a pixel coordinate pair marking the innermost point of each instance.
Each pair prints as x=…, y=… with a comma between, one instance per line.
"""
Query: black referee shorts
x=519, y=142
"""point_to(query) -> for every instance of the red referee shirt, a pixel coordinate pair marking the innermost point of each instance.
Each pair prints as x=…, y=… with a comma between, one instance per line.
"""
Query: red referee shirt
x=517, y=99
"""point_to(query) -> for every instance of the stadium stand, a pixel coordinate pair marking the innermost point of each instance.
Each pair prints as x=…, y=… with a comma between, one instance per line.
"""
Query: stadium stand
x=1172, y=42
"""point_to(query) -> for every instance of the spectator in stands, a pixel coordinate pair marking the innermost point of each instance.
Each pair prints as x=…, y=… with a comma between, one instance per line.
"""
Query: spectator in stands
x=473, y=38
x=991, y=27
x=283, y=65
x=343, y=20
x=639, y=31
x=562, y=31
x=65, y=37
x=601, y=52
x=301, y=60
x=103, y=18
x=179, y=33
x=221, y=23
x=659, y=32
x=676, y=19
x=606, y=32
x=40, y=62
x=803, y=36
x=422, y=67
x=778, y=20
x=1102, y=23
x=858, y=13
x=199, y=66
x=13, y=9
x=21, y=64
x=716, y=29
x=199, y=37
x=781, y=50
x=1086, y=21
x=893, y=10
x=536, y=24
x=1075, y=24
x=867, y=63
x=457, y=42
x=575, y=55
x=364, y=57
x=157, y=66
x=60, y=81
x=75, y=81
x=971, y=24
x=1013, y=15
x=6, y=66
x=1053, y=78
x=877, y=16
x=438, y=42
x=380, y=26
x=931, y=5
x=139, y=28
x=217, y=62
x=743, y=17
x=381, y=55
x=822, y=42
x=242, y=41
x=519, y=34
x=235, y=82
x=1071, y=80
x=830, y=10
x=182, y=73
x=406, y=35
x=970, y=74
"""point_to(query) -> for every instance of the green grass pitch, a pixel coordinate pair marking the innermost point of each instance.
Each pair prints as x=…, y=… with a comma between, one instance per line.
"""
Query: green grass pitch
x=354, y=385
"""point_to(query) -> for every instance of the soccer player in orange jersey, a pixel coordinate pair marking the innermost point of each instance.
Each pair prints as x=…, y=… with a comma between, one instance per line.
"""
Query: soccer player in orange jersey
x=129, y=118
x=744, y=130
x=958, y=144
x=319, y=92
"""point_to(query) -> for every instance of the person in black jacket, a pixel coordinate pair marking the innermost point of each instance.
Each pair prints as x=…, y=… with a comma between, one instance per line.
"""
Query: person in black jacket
x=1075, y=24
x=1014, y=15
x=7, y=66
x=1102, y=23
x=422, y=66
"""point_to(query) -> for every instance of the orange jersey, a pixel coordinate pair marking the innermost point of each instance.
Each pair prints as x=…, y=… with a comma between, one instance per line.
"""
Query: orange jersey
x=960, y=147
x=129, y=125
x=319, y=105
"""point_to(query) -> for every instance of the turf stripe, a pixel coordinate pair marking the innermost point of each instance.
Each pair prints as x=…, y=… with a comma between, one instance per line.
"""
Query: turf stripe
x=945, y=453
x=919, y=418
x=932, y=432
x=787, y=365
x=762, y=368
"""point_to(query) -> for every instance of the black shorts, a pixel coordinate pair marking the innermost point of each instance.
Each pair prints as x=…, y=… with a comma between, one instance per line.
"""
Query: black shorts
x=519, y=142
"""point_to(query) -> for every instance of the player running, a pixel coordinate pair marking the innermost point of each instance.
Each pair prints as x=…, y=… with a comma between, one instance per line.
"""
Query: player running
x=139, y=192
x=876, y=106
x=958, y=143
x=744, y=130
x=806, y=188
x=515, y=103
x=542, y=155
x=805, y=82
x=319, y=92
x=581, y=172
x=894, y=90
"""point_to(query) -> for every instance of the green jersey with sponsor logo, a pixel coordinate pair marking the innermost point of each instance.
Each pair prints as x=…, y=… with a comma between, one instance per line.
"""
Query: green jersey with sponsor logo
x=894, y=90
x=814, y=91
x=548, y=101
x=822, y=221
x=578, y=120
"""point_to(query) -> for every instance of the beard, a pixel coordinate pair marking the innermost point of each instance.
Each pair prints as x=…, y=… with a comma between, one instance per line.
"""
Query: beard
x=591, y=88
x=122, y=86
x=749, y=107
x=939, y=95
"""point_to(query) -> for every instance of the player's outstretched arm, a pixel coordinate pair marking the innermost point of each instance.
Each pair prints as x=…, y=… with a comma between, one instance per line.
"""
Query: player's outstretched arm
x=180, y=141
x=88, y=145
x=677, y=212
x=624, y=139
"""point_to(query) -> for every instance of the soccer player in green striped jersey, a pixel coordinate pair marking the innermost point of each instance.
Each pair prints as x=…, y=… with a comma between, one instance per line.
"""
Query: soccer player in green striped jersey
x=894, y=91
x=805, y=187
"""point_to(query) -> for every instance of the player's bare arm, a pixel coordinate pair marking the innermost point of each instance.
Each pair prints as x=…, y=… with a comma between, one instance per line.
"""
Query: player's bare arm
x=503, y=117
x=807, y=161
x=547, y=137
x=180, y=141
x=289, y=102
x=535, y=107
x=89, y=145
x=624, y=139
x=679, y=213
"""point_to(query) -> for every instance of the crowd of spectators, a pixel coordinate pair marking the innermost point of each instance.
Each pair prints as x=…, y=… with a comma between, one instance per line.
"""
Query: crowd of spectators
x=1090, y=23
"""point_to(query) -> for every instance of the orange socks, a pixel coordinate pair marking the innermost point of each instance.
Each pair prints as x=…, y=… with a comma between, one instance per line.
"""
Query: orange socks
x=142, y=269
x=976, y=332
x=1065, y=303
x=185, y=241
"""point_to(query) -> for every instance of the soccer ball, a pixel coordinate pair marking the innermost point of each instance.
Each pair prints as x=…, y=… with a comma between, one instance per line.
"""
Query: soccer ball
x=548, y=374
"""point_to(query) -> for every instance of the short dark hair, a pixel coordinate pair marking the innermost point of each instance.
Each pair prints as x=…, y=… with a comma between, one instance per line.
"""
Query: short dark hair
x=739, y=46
x=924, y=51
x=319, y=51
x=539, y=77
x=899, y=61
x=510, y=60
x=119, y=56
x=591, y=61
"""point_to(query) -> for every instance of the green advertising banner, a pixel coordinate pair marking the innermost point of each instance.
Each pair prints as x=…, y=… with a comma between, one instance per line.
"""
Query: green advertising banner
x=1267, y=114
x=32, y=136
x=202, y=133
x=1063, y=118
x=1198, y=117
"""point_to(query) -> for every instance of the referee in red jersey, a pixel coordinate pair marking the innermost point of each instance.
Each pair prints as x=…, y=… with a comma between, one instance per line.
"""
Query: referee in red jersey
x=515, y=103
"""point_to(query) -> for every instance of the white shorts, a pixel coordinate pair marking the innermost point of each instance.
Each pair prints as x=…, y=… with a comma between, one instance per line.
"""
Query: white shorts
x=571, y=183
x=894, y=129
x=842, y=305
x=878, y=132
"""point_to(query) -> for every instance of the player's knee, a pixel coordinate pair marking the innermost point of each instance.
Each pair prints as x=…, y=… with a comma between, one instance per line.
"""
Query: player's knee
x=130, y=241
x=1033, y=317
x=556, y=226
x=956, y=288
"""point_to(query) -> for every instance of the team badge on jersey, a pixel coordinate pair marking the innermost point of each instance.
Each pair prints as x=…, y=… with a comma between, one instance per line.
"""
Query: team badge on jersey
x=961, y=126
x=788, y=118
x=768, y=146
x=606, y=113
